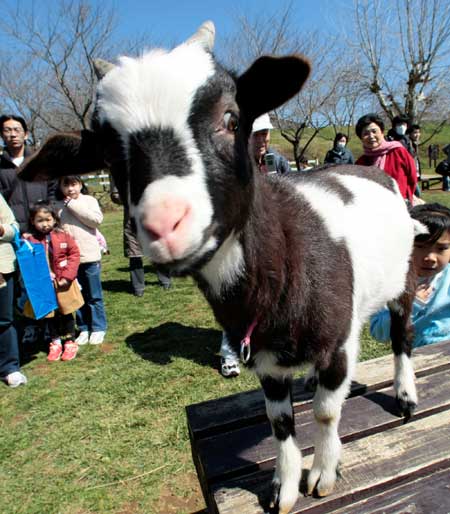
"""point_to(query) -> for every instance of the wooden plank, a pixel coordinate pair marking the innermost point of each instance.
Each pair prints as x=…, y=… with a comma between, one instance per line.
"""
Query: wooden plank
x=249, y=449
x=370, y=465
x=214, y=416
x=427, y=495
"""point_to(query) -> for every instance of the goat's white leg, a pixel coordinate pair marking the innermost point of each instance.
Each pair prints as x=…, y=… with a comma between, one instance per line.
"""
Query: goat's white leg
x=287, y=475
x=401, y=337
x=333, y=388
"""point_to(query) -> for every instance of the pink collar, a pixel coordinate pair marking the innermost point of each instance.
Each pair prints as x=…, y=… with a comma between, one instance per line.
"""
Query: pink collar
x=245, y=343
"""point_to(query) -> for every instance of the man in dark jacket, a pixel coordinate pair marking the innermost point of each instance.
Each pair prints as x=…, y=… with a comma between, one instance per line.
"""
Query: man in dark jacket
x=19, y=194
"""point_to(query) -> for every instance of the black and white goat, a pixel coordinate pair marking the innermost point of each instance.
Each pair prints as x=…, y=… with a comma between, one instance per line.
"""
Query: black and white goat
x=297, y=263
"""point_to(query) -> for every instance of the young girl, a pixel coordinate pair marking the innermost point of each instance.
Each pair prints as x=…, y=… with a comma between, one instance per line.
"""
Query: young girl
x=63, y=258
x=80, y=217
x=431, y=257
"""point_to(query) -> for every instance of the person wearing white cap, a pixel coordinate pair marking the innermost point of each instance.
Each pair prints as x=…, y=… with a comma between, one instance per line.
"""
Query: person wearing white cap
x=267, y=159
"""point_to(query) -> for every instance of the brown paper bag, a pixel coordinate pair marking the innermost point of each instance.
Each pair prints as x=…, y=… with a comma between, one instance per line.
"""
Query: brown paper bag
x=71, y=299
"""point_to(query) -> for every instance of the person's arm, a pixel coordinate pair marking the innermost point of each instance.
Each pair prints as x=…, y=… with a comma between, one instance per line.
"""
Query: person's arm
x=70, y=271
x=283, y=165
x=86, y=209
x=380, y=325
x=8, y=223
x=411, y=174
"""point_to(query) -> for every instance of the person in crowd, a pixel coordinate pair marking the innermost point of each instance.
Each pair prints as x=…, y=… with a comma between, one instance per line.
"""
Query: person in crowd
x=390, y=156
x=133, y=250
x=431, y=256
x=266, y=158
x=414, y=134
x=63, y=260
x=443, y=168
x=9, y=348
x=339, y=154
x=20, y=195
x=399, y=132
x=433, y=155
x=81, y=216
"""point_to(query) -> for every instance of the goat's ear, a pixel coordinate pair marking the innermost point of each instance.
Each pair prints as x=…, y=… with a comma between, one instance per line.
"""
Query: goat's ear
x=269, y=83
x=71, y=153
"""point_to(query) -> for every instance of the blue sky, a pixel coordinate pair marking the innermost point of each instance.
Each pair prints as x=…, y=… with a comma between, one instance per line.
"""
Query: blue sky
x=172, y=21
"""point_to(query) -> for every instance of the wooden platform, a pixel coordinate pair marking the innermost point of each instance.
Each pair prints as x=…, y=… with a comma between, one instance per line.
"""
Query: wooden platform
x=429, y=180
x=387, y=466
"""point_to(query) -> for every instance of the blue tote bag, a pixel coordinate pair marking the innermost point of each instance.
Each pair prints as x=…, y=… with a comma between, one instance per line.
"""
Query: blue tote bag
x=36, y=276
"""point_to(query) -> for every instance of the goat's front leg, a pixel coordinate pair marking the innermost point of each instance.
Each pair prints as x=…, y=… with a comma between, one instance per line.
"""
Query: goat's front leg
x=286, y=480
x=331, y=392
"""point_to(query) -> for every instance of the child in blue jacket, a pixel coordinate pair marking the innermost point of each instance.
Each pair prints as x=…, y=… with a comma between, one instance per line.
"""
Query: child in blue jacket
x=431, y=256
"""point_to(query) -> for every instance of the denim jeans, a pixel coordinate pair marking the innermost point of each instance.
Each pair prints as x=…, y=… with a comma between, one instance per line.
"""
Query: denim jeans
x=91, y=317
x=9, y=348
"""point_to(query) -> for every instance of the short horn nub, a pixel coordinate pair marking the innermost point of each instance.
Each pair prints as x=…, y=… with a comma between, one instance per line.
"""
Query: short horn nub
x=102, y=67
x=205, y=36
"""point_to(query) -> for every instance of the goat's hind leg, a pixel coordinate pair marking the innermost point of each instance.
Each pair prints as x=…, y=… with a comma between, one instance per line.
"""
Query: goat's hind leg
x=401, y=337
x=286, y=480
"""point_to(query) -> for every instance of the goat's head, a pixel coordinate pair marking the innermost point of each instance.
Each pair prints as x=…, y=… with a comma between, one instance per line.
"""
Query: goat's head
x=173, y=128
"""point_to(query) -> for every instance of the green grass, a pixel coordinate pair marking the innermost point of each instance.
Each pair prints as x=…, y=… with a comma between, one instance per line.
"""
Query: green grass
x=107, y=433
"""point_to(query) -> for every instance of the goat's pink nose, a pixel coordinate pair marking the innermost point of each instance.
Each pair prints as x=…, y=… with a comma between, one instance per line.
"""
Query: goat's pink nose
x=166, y=218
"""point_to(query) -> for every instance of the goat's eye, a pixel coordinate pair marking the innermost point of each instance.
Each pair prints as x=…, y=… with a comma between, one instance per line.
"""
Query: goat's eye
x=230, y=121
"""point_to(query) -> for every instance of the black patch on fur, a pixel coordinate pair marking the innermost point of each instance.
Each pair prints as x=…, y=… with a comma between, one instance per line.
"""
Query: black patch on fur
x=283, y=427
x=153, y=154
x=402, y=333
x=333, y=376
x=275, y=389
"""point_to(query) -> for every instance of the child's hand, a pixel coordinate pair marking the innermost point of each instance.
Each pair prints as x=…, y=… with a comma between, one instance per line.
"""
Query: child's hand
x=26, y=235
x=424, y=291
x=63, y=284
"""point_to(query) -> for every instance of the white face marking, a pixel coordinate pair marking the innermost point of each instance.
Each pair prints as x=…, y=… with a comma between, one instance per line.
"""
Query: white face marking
x=225, y=268
x=154, y=90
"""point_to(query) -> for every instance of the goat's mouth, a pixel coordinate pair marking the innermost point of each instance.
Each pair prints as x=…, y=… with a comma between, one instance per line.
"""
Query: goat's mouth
x=185, y=257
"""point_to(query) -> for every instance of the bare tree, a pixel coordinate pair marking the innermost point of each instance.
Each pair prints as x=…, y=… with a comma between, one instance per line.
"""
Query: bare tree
x=49, y=77
x=302, y=119
x=406, y=46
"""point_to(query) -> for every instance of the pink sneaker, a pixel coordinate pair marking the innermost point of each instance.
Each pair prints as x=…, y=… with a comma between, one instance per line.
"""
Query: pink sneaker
x=70, y=351
x=55, y=351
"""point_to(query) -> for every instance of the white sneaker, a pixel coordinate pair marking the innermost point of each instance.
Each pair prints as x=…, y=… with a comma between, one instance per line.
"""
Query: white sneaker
x=15, y=379
x=97, y=337
x=229, y=367
x=83, y=338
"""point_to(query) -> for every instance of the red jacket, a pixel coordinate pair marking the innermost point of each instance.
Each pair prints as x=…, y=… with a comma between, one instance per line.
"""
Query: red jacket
x=64, y=255
x=401, y=167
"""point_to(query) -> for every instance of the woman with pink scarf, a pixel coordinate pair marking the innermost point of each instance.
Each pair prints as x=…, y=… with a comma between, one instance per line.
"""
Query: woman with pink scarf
x=390, y=156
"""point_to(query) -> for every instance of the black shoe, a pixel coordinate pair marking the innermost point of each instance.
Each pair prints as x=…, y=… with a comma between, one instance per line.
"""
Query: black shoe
x=138, y=293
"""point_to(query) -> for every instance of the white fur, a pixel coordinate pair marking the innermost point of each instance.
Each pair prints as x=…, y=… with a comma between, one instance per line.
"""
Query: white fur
x=288, y=472
x=154, y=90
x=404, y=384
x=378, y=233
x=226, y=266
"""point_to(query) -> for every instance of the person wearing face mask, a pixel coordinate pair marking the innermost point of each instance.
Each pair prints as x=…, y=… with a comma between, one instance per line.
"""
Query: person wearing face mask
x=339, y=154
x=398, y=132
x=390, y=156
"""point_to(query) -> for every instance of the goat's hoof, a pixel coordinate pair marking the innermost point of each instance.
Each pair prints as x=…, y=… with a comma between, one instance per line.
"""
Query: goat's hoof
x=321, y=481
x=406, y=407
x=275, y=497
